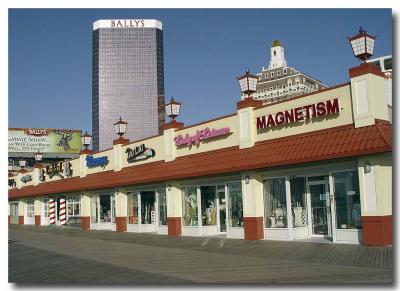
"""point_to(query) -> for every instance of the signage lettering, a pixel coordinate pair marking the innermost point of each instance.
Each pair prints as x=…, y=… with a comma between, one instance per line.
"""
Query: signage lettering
x=299, y=114
x=36, y=132
x=201, y=135
x=139, y=153
x=54, y=170
x=26, y=178
x=42, y=176
x=92, y=162
x=67, y=169
x=12, y=183
x=127, y=23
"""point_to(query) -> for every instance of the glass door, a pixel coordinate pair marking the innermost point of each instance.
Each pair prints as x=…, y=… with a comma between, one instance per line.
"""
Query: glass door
x=221, y=208
x=320, y=208
x=14, y=213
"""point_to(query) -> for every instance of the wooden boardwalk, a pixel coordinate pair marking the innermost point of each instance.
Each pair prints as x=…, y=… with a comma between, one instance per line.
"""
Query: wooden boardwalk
x=162, y=259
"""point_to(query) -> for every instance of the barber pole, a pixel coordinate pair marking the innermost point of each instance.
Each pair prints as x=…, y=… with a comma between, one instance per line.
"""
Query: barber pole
x=61, y=214
x=52, y=205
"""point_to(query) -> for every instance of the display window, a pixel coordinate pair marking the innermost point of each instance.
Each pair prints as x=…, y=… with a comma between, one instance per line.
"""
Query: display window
x=190, y=206
x=275, y=203
x=298, y=192
x=73, y=206
x=347, y=200
x=235, y=204
x=133, y=208
x=208, y=205
x=46, y=208
x=162, y=207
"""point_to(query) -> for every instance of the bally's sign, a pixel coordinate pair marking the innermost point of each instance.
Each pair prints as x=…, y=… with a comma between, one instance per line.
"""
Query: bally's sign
x=92, y=162
x=139, y=153
x=299, y=114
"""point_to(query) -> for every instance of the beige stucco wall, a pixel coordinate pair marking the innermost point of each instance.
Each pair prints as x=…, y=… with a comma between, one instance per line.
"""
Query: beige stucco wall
x=219, y=142
x=156, y=143
x=382, y=170
x=345, y=116
x=108, y=167
x=75, y=167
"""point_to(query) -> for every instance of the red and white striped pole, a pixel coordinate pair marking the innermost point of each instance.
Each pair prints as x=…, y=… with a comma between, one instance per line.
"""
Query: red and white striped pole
x=61, y=215
x=52, y=204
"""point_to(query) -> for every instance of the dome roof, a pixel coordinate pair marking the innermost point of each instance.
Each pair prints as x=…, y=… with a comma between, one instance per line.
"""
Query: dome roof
x=276, y=43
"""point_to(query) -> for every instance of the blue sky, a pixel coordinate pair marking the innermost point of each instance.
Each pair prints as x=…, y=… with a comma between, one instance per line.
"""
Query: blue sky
x=204, y=51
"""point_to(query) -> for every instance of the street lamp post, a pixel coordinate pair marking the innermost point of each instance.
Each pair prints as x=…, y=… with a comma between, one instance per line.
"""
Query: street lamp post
x=362, y=45
x=120, y=129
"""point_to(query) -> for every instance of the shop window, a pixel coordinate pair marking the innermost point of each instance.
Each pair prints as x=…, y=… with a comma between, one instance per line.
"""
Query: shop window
x=162, y=207
x=93, y=209
x=73, y=206
x=30, y=206
x=148, y=214
x=133, y=208
x=46, y=208
x=347, y=200
x=190, y=206
x=107, y=208
x=275, y=203
x=235, y=215
x=299, y=201
x=208, y=205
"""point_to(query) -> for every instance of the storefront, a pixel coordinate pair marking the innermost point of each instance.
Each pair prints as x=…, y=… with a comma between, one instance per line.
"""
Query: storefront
x=321, y=201
x=314, y=167
x=147, y=209
x=102, y=210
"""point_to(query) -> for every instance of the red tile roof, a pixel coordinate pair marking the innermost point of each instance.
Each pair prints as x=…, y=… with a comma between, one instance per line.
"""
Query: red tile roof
x=327, y=144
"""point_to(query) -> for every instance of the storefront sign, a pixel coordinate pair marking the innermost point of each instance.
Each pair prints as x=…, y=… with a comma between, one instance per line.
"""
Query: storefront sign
x=67, y=169
x=42, y=175
x=12, y=183
x=299, y=114
x=92, y=162
x=201, y=135
x=139, y=153
x=25, y=179
x=55, y=169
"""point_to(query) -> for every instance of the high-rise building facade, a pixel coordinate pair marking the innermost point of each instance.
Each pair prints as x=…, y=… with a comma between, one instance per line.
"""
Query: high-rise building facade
x=127, y=79
x=279, y=81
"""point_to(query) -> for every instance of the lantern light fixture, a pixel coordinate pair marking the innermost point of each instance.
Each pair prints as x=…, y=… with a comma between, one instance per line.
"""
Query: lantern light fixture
x=173, y=108
x=38, y=157
x=248, y=83
x=120, y=127
x=362, y=45
x=86, y=140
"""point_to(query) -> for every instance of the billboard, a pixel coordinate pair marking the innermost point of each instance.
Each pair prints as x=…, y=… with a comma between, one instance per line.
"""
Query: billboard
x=45, y=140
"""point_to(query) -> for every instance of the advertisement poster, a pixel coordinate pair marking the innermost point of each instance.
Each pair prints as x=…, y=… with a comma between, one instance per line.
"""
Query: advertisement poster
x=44, y=140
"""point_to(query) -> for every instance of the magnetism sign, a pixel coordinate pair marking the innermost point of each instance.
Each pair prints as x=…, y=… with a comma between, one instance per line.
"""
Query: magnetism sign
x=45, y=140
x=299, y=114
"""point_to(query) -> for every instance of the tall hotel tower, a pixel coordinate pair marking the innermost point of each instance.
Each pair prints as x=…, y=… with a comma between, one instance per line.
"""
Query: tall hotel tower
x=127, y=79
